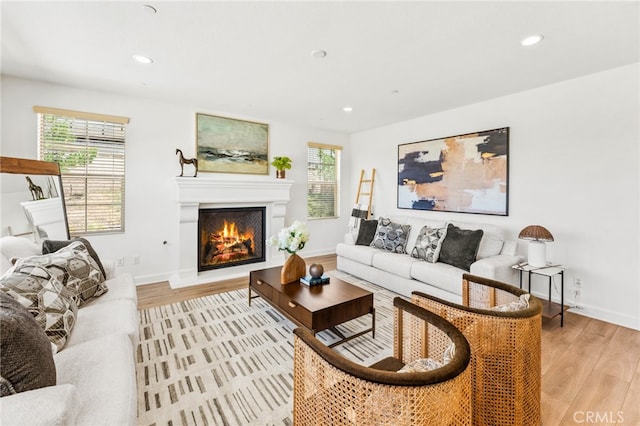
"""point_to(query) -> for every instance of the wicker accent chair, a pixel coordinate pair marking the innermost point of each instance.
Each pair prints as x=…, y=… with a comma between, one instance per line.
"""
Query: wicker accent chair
x=505, y=349
x=329, y=389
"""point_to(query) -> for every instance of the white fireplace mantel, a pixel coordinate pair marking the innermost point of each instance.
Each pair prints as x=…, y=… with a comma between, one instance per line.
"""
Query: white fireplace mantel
x=206, y=192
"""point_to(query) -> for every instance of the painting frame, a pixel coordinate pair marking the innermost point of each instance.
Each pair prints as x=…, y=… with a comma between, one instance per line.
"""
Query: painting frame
x=231, y=145
x=466, y=173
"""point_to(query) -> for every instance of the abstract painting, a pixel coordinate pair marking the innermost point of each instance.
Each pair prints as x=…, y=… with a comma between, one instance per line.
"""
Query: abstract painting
x=465, y=173
x=227, y=145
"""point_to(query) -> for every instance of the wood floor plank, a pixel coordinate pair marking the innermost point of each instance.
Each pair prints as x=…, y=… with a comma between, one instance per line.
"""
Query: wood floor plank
x=620, y=358
x=600, y=399
x=631, y=406
x=594, y=338
x=552, y=410
x=566, y=377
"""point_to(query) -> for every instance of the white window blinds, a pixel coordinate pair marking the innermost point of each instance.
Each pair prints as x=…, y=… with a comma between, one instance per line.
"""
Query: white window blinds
x=90, y=149
x=323, y=166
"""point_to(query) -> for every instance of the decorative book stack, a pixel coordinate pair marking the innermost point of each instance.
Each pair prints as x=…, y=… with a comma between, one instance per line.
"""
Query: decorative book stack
x=311, y=281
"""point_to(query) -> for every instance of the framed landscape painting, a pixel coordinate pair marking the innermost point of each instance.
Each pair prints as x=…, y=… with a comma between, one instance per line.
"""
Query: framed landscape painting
x=227, y=145
x=464, y=174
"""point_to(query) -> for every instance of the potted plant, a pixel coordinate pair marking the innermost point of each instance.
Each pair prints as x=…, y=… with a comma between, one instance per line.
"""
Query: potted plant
x=281, y=164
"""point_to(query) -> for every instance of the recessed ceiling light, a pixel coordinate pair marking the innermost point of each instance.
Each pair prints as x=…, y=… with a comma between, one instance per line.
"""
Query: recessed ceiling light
x=319, y=53
x=532, y=39
x=395, y=92
x=143, y=59
x=347, y=109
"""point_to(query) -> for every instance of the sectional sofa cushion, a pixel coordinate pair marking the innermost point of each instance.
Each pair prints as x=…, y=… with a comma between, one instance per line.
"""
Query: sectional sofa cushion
x=366, y=231
x=391, y=236
x=26, y=361
x=428, y=243
x=48, y=301
x=74, y=267
x=394, y=264
x=460, y=247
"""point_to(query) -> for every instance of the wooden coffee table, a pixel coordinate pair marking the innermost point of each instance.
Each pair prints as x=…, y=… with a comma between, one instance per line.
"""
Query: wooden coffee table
x=316, y=308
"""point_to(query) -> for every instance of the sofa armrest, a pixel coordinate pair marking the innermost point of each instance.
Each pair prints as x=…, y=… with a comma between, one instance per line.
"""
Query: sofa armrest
x=497, y=268
x=53, y=405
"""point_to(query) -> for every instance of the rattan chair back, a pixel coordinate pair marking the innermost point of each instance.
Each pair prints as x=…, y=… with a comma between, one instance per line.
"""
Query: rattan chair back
x=505, y=349
x=329, y=389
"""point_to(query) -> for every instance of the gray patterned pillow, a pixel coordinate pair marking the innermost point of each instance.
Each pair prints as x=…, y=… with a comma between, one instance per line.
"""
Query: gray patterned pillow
x=26, y=361
x=429, y=243
x=74, y=267
x=390, y=236
x=50, y=303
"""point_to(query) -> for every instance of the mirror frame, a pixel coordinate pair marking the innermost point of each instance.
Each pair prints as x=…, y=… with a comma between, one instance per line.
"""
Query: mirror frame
x=35, y=167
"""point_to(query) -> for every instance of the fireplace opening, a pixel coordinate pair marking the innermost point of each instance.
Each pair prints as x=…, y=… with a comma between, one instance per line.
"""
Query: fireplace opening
x=230, y=237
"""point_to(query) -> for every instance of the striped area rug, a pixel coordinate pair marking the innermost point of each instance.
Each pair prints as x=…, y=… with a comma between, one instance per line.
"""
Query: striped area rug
x=215, y=360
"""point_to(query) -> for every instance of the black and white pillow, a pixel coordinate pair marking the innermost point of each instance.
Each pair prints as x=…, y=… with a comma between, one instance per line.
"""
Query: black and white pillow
x=52, y=246
x=428, y=243
x=74, y=267
x=391, y=236
x=40, y=292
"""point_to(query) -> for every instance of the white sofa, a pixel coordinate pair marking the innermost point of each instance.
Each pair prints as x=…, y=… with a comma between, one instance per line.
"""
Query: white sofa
x=95, y=370
x=402, y=273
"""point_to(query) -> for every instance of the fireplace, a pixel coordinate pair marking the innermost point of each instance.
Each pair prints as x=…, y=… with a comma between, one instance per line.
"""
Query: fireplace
x=230, y=237
x=222, y=192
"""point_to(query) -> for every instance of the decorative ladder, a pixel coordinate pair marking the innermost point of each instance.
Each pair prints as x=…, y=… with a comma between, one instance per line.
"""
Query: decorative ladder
x=369, y=194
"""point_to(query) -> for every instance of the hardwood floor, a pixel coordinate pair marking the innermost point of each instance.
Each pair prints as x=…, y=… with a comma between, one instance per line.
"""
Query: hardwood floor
x=590, y=368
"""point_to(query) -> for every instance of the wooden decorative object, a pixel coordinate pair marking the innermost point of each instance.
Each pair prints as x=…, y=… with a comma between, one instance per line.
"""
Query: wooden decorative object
x=293, y=269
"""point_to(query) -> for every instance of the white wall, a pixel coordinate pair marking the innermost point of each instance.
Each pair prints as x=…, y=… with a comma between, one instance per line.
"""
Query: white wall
x=156, y=129
x=573, y=169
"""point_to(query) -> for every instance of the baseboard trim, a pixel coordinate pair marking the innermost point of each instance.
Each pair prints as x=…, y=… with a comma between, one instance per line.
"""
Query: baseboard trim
x=595, y=312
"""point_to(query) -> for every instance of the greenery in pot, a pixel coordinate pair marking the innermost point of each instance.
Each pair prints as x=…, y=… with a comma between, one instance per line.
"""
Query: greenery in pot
x=281, y=163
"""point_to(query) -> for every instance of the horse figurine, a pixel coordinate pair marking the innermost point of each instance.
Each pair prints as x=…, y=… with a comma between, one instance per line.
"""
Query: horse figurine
x=36, y=191
x=184, y=161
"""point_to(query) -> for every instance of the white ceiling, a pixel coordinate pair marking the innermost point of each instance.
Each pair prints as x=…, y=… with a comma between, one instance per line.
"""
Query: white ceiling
x=253, y=59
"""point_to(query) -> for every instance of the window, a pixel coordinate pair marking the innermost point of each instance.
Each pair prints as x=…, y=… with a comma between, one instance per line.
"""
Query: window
x=323, y=166
x=90, y=151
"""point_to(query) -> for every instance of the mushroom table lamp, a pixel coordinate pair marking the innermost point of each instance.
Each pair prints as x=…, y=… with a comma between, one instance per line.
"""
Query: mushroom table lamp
x=537, y=236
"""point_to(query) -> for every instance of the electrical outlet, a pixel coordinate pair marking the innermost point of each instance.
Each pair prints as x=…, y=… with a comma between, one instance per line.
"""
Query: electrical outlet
x=578, y=282
x=120, y=262
x=136, y=259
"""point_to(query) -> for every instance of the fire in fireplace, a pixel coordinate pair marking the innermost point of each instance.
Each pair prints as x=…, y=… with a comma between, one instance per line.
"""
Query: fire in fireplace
x=230, y=237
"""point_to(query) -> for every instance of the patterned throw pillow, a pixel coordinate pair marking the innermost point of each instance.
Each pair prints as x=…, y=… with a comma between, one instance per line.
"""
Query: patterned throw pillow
x=50, y=303
x=52, y=246
x=429, y=243
x=516, y=305
x=26, y=361
x=74, y=267
x=391, y=236
x=420, y=365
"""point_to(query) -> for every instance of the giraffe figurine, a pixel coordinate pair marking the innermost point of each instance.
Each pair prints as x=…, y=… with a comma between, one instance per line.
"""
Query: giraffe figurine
x=36, y=191
x=184, y=161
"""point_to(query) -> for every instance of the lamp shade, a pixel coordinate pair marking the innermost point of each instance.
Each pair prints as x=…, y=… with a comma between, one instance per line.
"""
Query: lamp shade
x=536, y=233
